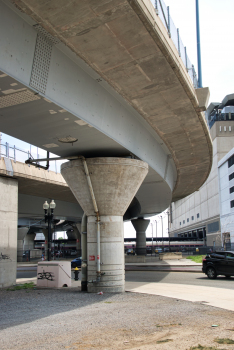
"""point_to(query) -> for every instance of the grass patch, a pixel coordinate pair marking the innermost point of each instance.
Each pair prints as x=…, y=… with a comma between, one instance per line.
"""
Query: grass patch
x=224, y=341
x=29, y=285
x=164, y=341
x=196, y=258
x=200, y=347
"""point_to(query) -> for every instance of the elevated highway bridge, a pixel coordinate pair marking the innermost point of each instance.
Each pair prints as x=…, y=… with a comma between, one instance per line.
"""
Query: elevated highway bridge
x=104, y=80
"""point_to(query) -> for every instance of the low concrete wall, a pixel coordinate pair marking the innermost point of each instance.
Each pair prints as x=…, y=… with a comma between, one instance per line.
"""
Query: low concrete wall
x=170, y=256
x=134, y=258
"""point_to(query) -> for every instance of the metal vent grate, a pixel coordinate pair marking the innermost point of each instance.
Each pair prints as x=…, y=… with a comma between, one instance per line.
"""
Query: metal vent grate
x=47, y=35
x=41, y=64
x=18, y=98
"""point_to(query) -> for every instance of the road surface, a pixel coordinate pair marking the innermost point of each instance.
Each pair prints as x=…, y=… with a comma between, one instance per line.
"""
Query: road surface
x=144, y=277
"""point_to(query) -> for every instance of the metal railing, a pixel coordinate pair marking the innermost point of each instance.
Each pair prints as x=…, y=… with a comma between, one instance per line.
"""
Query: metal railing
x=163, y=12
x=220, y=117
x=20, y=155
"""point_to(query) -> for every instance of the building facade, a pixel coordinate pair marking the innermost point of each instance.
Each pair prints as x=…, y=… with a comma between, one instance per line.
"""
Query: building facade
x=226, y=191
x=198, y=215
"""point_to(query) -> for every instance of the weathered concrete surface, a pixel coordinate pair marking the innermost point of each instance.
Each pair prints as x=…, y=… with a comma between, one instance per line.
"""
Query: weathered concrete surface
x=21, y=233
x=115, y=182
x=140, y=226
x=125, y=42
x=203, y=96
x=29, y=241
x=8, y=231
x=38, y=182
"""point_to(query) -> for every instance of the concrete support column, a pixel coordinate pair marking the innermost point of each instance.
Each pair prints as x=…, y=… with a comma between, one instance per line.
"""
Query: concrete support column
x=21, y=233
x=29, y=241
x=8, y=230
x=140, y=226
x=78, y=237
x=115, y=182
x=45, y=233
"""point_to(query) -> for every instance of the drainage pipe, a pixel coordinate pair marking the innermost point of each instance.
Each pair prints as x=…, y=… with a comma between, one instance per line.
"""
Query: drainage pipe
x=84, y=253
x=97, y=216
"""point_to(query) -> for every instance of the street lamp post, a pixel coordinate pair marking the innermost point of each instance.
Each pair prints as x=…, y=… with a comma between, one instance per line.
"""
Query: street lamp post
x=162, y=233
x=168, y=231
x=152, y=238
x=49, y=213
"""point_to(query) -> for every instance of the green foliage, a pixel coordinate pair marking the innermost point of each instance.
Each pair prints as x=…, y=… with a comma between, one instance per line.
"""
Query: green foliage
x=224, y=341
x=196, y=258
x=200, y=347
x=29, y=285
x=164, y=341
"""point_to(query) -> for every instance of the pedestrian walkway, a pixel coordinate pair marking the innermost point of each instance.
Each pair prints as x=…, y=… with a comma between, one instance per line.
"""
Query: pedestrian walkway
x=218, y=297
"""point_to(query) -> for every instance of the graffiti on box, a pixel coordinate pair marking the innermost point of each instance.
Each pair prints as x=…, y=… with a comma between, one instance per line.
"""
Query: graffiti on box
x=45, y=276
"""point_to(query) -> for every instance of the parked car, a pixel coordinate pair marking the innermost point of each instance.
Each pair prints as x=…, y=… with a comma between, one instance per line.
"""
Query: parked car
x=130, y=252
x=73, y=252
x=218, y=263
x=76, y=262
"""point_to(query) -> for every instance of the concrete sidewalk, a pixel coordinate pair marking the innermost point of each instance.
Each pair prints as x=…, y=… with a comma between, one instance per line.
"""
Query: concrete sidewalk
x=217, y=297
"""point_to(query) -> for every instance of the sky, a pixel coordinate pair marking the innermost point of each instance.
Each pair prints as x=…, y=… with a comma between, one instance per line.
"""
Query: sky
x=217, y=56
x=216, y=36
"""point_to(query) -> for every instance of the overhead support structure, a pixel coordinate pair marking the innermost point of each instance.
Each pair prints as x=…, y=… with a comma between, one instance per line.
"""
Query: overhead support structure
x=8, y=230
x=29, y=241
x=115, y=182
x=140, y=226
x=21, y=234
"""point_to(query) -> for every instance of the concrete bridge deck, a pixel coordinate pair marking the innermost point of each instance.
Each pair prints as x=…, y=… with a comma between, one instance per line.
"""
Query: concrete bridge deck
x=128, y=55
x=103, y=80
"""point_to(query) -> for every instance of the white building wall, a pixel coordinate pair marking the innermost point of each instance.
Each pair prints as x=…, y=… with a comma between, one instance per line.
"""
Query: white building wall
x=202, y=207
x=226, y=211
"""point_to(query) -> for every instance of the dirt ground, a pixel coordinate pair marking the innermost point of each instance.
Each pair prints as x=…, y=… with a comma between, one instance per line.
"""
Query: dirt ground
x=68, y=319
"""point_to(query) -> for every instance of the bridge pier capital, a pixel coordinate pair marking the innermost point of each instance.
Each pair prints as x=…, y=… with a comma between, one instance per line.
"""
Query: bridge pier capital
x=114, y=183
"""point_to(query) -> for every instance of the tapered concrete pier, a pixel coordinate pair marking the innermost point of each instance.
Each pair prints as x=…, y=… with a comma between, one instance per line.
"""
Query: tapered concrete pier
x=115, y=182
x=140, y=226
x=21, y=234
x=29, y=241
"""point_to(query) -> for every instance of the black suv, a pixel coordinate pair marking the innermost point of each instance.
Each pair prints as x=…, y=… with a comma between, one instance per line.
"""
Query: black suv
x=218, y=263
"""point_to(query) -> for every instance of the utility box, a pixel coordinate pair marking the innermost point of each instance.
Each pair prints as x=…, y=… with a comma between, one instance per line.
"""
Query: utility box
x=54, y=274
